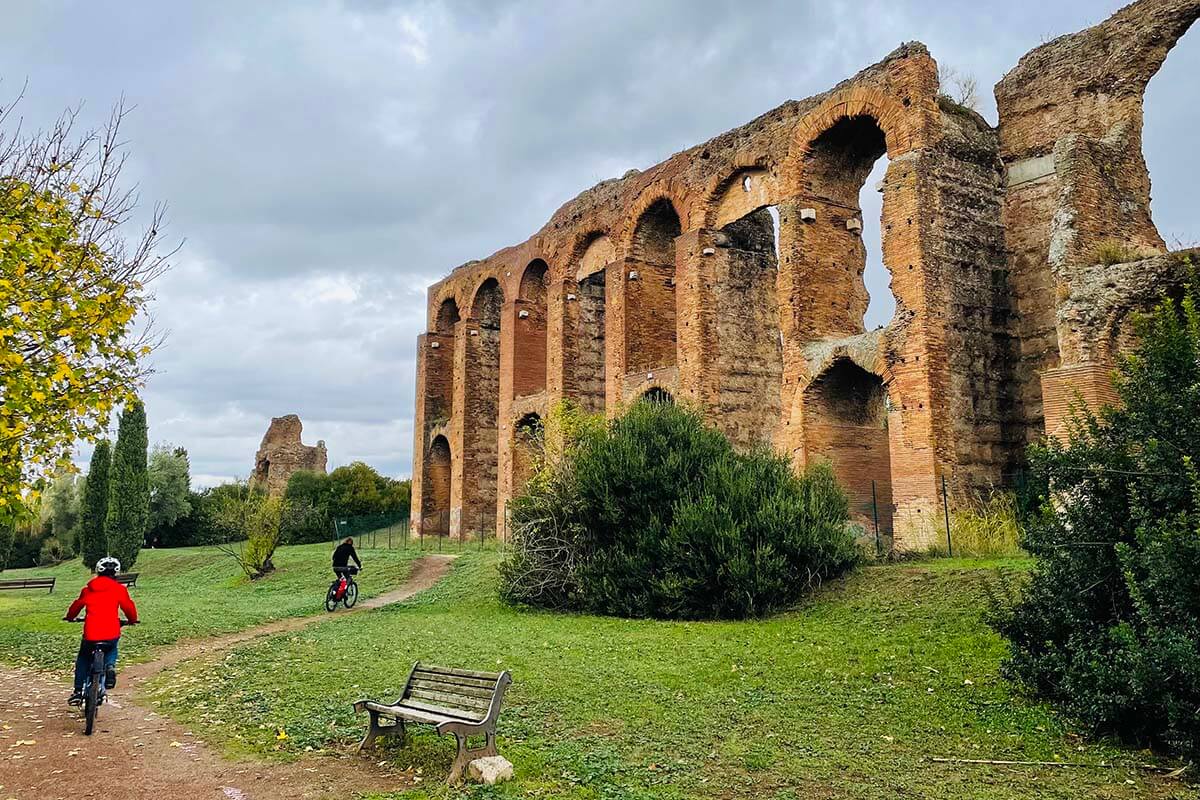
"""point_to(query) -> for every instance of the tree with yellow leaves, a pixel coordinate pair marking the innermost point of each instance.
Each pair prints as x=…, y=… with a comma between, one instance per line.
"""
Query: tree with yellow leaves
x=74, y=332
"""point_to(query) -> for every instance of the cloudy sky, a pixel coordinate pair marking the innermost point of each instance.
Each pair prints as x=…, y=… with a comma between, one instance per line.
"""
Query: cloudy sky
x=325, y=161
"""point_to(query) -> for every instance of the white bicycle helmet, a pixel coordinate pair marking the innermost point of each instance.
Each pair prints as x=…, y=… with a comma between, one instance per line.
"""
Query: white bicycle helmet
x=108, y=563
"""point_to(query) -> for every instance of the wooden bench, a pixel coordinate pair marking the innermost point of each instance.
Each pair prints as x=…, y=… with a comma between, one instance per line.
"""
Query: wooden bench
x=29, y=583
x=454, y=701
x=128, y=579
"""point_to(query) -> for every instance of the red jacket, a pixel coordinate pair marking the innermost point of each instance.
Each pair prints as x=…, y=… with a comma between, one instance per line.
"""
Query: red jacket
x=102, y=596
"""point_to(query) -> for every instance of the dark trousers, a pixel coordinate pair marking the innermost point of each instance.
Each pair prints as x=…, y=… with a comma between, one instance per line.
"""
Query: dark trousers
x=83, y=661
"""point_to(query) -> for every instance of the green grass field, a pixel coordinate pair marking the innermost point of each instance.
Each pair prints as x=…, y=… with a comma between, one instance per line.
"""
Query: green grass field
x=182, y=593
x=848, y=697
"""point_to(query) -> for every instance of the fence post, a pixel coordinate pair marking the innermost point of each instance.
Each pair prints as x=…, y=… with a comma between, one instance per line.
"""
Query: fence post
x=946, y=511
x=875, y=514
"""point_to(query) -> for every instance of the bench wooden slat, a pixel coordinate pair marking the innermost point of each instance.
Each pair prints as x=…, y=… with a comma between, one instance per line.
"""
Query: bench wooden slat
x=129, y=579
x=451, y=680
x=458, y=673
x=468, y=691
x=414, y=714
x=463, y=714
x=453, y=700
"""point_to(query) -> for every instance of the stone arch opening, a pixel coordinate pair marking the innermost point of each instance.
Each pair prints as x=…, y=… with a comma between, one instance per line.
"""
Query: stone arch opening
x=1168, y=108
x=827, y=222
x=529, y=335
x=447, y=316
x=481, y=391
x=877, y=281
x=650, y=290
x=659, y=395
x=526, y=445
x=437, y=488
x=846, y=411
x=590, y=334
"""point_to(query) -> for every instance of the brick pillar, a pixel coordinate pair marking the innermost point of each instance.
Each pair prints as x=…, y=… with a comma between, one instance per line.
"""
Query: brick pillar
x=434, y=406
x=507, y=383
x=562, y=323
x=697, y=308
x=1089, y=385
x=615, y=276
x=479, y=381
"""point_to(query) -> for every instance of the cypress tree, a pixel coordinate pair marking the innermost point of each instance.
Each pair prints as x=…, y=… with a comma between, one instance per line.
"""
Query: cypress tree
x=129, y=487
x=92, y=542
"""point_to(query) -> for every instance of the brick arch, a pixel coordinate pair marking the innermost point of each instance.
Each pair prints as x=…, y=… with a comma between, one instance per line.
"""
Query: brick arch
x=715, y=189
x=896, y=120
x=659, y=190
x=530, y=330
x=479, y=298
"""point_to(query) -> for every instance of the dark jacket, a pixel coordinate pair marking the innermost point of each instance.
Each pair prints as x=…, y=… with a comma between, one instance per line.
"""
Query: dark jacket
x=343, y=554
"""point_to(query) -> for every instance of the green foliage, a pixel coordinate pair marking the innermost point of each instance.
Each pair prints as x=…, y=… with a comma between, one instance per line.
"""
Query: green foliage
x=170, y=489
x=315, y=500
x=61, y=507
x=93, y=542
x=53, y=551
x=254, y=518
x=71, y=285
x=129, y=487
x=1109, y=625
x=657, y=516
x=6, y=542
x=358, y=489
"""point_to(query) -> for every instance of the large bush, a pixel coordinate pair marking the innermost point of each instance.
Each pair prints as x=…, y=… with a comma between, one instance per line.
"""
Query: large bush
x=1109, y=624
x=655, y=515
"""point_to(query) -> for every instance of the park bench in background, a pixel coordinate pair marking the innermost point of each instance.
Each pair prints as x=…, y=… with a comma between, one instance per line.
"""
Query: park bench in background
x=454, y=701
x=29, y=583
x=128, y=579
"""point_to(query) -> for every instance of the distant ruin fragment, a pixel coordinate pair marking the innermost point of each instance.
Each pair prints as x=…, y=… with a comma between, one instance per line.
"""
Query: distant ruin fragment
x=730, y=276
x=282, y=453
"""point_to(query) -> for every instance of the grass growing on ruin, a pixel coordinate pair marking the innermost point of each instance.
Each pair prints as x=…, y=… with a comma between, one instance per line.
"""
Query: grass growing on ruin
x=847, y=697
x=182, y=593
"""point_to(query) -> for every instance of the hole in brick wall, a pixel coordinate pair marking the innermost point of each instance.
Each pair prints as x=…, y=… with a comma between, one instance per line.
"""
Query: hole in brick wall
x=447, y=316
x=656, y=394
x=747, y=183
x=526, y=444
x=1170, y=110
x=485, y=308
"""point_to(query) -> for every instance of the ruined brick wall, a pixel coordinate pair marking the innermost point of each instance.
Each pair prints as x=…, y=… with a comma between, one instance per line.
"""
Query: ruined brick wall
x=730, y=277
x=1076, y=180
x=282, y=454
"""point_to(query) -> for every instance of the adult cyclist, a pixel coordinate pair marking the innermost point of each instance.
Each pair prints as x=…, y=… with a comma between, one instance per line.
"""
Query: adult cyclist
x=102, y=597
x=342, y=555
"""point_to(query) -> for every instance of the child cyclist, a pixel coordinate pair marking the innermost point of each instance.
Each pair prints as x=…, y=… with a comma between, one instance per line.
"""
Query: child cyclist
x=102, y=597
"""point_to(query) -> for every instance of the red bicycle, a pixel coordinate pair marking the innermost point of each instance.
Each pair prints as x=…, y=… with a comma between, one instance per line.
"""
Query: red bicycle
x=343, y=589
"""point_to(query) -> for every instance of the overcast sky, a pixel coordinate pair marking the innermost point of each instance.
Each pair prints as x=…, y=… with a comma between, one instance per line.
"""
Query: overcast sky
x=326, y=161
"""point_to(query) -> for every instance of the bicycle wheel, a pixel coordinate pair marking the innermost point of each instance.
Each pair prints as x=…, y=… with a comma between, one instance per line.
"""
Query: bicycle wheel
x=351, y=594
x=91, y=698
x=331, y=598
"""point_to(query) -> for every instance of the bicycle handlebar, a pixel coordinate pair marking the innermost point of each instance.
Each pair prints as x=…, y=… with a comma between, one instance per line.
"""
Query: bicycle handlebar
x=123, y=622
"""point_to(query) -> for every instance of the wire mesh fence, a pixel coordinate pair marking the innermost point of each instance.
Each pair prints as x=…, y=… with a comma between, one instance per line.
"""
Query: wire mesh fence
x=435, y=533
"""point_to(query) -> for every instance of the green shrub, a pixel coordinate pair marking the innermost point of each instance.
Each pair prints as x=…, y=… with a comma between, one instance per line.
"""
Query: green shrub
x=128, y=487
x=93, y=543
x=1109, y=624
x=655, y=515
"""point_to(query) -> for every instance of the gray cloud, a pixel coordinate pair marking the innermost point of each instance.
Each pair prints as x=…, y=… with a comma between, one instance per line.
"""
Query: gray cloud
x=326, y=160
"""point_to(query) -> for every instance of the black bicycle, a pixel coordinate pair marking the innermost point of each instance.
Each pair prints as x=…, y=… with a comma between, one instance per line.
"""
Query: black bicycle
x=343, y=589
x=95, y=689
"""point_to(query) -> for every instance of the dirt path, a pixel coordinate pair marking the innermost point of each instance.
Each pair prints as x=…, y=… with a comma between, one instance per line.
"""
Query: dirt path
x=137, y=753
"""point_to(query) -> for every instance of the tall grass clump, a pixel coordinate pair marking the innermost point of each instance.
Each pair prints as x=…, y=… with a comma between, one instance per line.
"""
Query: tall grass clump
x=656, y=515
x=987, y=526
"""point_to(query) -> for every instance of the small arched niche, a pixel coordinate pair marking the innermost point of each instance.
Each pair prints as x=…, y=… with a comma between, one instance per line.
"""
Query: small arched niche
x=526, y=447
x=529, y=336
x=846, y=417
x=437, y=488
x=650, y=290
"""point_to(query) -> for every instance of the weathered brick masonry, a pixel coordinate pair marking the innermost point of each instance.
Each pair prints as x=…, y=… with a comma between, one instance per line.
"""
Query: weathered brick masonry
x=730, y=276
